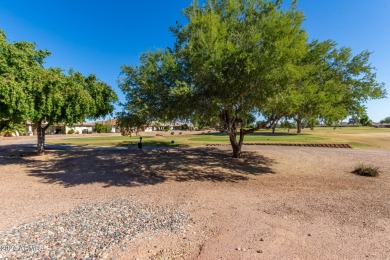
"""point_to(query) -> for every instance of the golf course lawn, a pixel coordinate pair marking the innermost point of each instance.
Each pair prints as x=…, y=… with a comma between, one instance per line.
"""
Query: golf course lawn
x=357, y=137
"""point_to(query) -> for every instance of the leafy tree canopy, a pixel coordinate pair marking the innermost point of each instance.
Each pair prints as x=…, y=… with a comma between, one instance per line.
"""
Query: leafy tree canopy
x=365, y=120
x=20, y=63
x=385, y=120
x=228, y=59
x=60, y=98
x=28, y=91
x=236, y=58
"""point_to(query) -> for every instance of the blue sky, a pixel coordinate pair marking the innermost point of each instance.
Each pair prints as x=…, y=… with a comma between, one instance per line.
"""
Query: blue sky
x=99, y=36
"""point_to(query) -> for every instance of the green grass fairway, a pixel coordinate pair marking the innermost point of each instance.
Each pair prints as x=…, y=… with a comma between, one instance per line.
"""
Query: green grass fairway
x=261, y=136
x=357, y=137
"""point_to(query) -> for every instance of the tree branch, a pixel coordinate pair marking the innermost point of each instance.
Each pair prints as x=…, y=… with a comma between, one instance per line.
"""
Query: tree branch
x=258, y=127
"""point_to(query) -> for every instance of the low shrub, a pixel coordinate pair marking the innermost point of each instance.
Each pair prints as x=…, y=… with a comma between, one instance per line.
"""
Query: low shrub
x=172, y=133
x=100, y=128
x=71, y=131
x=366, y=170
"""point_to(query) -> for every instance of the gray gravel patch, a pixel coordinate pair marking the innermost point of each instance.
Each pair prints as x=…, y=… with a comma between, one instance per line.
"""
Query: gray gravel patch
x=89, y=231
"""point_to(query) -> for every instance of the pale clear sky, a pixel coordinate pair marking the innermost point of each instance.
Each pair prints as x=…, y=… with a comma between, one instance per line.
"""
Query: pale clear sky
x=100, y=36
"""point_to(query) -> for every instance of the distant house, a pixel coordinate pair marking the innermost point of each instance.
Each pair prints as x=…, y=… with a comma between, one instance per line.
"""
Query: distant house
x=79, y=128
x=153, y=128
x=379, y=125
x=89, y=127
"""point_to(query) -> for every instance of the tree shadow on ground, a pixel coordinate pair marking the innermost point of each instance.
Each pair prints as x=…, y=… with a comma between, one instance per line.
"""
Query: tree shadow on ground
x=136, y=168
x=156, y=143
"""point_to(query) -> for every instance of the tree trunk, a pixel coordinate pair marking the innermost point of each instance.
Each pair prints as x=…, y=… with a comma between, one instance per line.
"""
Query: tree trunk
x=41, y=139
x=236, y=146
x=299, y=126
x=274, y=124
x=4, y=125
x=273, y=128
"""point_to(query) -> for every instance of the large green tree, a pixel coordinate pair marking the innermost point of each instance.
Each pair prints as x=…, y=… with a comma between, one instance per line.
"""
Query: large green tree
x=235, y=58
x=311, y=94
x=349, y=82
x=20, y=62
x=227, y=61
x=68, y=99
x=28, y=91
x=329, y=85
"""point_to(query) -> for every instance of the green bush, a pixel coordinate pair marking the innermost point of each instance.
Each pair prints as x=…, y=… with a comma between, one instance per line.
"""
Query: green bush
x=71, y=131
x=184, y=127
x=100, y=128
x=366, y=170
x=166, y=128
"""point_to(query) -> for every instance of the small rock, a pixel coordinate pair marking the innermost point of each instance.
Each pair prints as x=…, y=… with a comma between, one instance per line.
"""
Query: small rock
x=238, y=249
x=309, y=235
x=259, y=251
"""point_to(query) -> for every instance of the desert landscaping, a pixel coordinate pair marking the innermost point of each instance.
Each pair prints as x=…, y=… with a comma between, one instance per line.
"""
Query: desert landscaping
x=215, y=129
x=277, y=202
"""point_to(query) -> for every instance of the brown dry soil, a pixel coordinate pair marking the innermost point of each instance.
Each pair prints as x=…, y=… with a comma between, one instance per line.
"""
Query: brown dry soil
x=275, y=203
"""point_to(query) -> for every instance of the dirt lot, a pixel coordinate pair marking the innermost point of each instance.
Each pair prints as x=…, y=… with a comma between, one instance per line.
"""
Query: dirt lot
x=277, y=203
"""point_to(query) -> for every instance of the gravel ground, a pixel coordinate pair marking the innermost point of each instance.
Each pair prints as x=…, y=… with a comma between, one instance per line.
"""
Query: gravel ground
x=88, y=231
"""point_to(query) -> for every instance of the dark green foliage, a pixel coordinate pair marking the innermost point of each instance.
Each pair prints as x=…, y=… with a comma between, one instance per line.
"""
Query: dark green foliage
x=386, y=120
x=365, y=170
x=100, y=128
x=70, y=131
x=365, y=120
x=13, y=128
x=184, y=127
